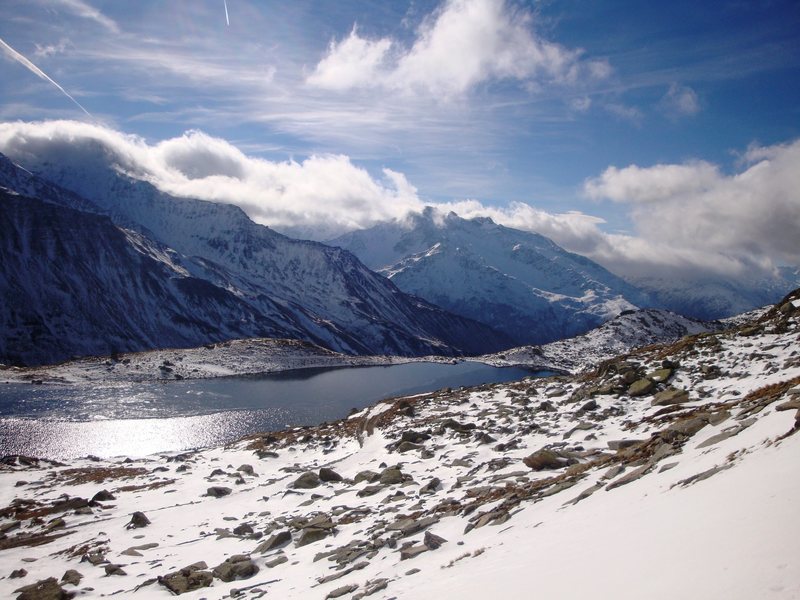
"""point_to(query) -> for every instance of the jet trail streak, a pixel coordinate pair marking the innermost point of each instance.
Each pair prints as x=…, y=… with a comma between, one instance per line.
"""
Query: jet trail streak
x=13, y=54
x=225, y=2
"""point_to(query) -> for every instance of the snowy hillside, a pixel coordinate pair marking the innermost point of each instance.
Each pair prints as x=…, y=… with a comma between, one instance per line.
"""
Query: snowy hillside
x=629, y=330
x=712, y=298
x=290, y=288
x=520, y=283
x=667, y=473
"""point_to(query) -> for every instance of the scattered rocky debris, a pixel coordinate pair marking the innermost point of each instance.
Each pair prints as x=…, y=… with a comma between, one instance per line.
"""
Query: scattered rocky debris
x=376, y=504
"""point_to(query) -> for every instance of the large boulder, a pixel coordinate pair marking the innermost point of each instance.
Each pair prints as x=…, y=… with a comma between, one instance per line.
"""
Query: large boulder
x=546, y=459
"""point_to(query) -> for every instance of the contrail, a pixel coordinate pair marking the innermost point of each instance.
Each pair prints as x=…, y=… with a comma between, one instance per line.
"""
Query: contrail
x=13, y=54
x=225, y=2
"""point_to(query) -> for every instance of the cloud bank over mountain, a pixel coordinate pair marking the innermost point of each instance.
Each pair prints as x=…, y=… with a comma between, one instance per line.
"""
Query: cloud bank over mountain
x=689, y=219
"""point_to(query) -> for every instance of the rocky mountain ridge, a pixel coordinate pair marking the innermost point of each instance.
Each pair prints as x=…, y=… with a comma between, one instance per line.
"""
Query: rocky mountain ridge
x=258, y=282
x=520, y=283
x=654, y=474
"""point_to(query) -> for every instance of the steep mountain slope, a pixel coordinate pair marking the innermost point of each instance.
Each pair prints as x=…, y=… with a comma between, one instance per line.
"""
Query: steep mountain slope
x=712, y=298
x=304, y=290
x=518, y=282
x=72, y=283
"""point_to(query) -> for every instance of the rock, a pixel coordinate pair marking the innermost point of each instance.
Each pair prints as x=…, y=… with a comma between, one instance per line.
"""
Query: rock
x=792, y=404
x=554, y=392
x=415, y=437
x=456, y=426
x=113, y=569
x=72, y=577
x=235, y=568
x=391, y=476
x=218, y=491
x=138, y=519
x=103, y=496
x=44, y=589
x=431, y=486
x=278, y=560
x=632, y=476
x=408, y=446
x=370, y=490
x=687, y=427
x=243, y=529
x=247, y=470
x=433, y=541
x=413, y=551
x=545, y=459
x=342, y=591
x=275, y=541
x=641, y=387
x=622, y=444
x=18, y=574
x=311, y=535
x=589, y=406
x=328, y=475
x=306, y=481
x=660, y=375
x=187, y=579
x=670, y=395
x=368, y=476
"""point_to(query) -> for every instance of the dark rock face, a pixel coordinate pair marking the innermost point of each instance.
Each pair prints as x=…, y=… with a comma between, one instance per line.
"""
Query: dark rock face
x=234, y=568
x=276, y=541
x=328, y=475
x=187, y=579
x=307, y=481
x=217, y=491
x=45, y=589
x=138, y=519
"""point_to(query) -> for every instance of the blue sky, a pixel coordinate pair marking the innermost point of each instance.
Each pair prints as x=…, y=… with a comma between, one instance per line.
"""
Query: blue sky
x=527, y=111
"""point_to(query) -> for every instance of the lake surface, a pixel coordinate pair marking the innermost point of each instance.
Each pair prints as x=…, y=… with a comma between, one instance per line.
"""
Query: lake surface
x=136, y=419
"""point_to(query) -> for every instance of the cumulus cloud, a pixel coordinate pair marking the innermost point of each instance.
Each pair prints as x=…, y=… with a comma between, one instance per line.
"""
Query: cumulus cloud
x=680, y=101
x=701, y=217
x=326, y=194
x=689, y=220
x=352, y=62
x=636, y=184
x=463, y=44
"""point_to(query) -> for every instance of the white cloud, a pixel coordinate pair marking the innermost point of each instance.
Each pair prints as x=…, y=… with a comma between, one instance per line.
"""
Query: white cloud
x=581, y=104
x=680, y=101
x=625, y=112
x=86, y=11
x=709, y=220
x=688, y=220
x=463, y=44
x=324, y=193
x=636, y=184
x=353, y=62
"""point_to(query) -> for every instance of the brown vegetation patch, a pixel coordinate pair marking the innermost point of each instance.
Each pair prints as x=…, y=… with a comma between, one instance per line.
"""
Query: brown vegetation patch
x=78, y=476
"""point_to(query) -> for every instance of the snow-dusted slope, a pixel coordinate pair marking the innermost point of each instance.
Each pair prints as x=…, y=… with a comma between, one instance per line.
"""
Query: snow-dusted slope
x=715, y=298
x=629, y=330
x=311, y=291
x=72, y=283
x=668, y=473
x=518, y=282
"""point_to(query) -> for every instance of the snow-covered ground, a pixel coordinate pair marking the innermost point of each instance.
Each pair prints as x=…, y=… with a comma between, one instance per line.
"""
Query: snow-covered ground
x=668, y=473
x=238, y=357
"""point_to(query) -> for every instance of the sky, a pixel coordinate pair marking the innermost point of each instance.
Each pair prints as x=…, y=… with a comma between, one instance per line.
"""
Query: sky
x=656, y=138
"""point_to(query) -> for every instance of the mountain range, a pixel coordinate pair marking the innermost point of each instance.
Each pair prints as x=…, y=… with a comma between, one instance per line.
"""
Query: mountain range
x=520, y=283
x=96, y=261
